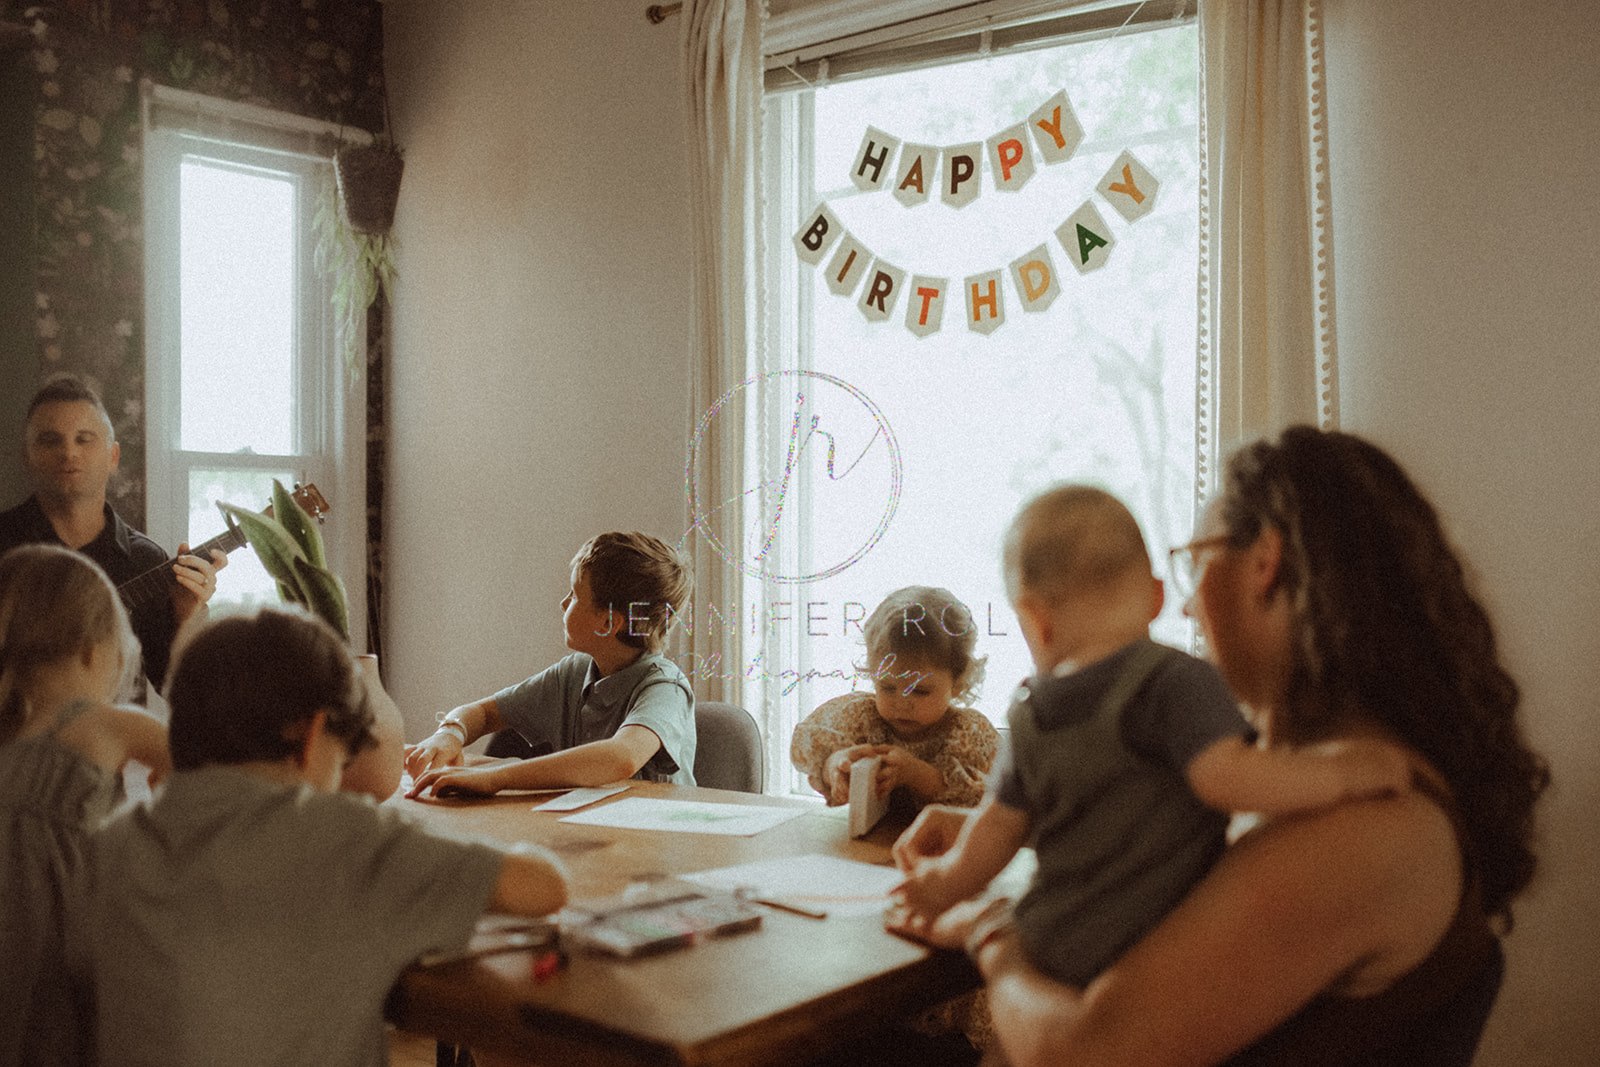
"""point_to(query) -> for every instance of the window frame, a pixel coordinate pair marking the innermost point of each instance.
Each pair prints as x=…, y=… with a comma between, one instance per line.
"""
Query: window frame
x=329, y=400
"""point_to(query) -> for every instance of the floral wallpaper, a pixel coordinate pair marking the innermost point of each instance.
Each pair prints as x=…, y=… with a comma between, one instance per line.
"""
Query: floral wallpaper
x=321, y=58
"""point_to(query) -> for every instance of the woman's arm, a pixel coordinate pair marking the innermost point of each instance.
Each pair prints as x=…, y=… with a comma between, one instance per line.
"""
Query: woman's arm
x=1290, y=911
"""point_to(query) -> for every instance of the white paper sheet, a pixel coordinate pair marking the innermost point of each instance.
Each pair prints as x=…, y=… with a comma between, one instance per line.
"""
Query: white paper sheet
x=686, y=816
x=814, y=882
x=580, y=798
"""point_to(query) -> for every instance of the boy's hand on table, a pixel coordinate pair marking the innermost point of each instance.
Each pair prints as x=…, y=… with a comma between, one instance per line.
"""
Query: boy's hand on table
x=458, y=782
x=441, y=749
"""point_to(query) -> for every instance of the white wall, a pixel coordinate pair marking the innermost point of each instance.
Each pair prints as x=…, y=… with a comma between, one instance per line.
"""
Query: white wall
x=1466, y=158
x=538, y=368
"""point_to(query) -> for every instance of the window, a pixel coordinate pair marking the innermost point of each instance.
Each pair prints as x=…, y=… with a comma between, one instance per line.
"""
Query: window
x=900, y=460
x=242, y=382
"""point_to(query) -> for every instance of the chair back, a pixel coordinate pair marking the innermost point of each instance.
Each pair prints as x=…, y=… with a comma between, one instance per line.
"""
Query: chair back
x=727, y=748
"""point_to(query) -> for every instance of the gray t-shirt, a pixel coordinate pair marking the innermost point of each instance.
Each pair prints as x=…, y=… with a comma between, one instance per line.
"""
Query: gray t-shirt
x=568, y=704
x=1097, y=759
x=240, y=921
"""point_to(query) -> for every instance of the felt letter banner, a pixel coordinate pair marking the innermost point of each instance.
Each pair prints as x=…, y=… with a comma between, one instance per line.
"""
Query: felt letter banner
x=959, y=186
x=1087, y=238
x=986, y=309
x=881, y=291
x=871, y=168
x=817, y=235
x=916, y=174
x=1056, y=129
x=1129, y=187
x=1035, y=277
x=925, y=305
x=1010, y=161
x=848, y=264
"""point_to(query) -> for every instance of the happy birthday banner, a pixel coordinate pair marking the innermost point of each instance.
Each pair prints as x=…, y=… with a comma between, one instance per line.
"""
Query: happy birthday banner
x=1052, y=133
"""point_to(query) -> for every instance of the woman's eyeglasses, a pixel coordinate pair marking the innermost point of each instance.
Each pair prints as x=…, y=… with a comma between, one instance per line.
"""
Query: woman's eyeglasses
x=1187, y=565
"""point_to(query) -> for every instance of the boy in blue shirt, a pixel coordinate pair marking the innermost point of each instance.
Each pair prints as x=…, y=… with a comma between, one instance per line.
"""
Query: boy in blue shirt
x=615, y=708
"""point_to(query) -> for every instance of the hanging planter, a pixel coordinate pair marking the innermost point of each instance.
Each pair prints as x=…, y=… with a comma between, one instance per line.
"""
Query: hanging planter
x=369, y=185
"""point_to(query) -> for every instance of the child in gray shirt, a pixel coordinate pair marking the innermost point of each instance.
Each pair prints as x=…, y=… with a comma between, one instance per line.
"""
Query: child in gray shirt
x=253, y=915
x=1124, y=755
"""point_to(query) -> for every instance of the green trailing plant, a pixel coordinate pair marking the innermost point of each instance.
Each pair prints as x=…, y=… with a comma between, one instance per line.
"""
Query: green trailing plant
x=289, y=546
x=361, y=266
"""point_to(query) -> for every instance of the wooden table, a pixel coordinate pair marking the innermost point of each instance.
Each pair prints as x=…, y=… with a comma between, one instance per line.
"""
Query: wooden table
x=792, y=989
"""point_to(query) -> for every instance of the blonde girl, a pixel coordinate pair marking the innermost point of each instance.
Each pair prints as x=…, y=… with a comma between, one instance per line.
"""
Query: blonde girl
x=66, y=651
x=922, y=670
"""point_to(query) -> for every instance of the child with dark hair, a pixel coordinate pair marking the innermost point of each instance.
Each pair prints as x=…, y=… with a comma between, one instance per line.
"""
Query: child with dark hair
x=616, y=708
x=66, y=651
x=252, y=913
x=920, y=659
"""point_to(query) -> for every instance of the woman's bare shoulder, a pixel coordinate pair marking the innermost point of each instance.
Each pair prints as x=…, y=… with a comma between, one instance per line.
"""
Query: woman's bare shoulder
x=1383, y=875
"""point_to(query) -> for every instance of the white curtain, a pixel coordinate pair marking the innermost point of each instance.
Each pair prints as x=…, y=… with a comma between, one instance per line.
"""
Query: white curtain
x=723, y=69
x=1267, y=352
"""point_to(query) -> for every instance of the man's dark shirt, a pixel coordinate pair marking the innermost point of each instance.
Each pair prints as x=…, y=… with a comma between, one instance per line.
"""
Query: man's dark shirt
x=123, y=553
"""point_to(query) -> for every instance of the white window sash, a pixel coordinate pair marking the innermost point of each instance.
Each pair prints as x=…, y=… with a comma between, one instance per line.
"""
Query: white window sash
x=330, y=436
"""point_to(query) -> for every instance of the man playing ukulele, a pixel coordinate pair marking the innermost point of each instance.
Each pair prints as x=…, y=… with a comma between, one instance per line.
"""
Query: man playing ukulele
x=70, y=449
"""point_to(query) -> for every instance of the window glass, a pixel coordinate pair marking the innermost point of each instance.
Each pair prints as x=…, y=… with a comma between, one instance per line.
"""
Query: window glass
x=248, y=582
x=238, y=308
x=1099, y=387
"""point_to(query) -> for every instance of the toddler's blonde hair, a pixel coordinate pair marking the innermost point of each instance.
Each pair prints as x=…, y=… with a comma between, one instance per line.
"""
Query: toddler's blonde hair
x=54, y=603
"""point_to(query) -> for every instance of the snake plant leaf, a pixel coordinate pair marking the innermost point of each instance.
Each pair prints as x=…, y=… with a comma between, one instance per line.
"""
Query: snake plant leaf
x=301, y=526
x=273, y=545
x=324, y=595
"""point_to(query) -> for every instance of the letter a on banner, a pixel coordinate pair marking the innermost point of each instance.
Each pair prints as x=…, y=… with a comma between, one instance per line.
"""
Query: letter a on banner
x=1056, y=129
x=1036, y=281
x=986, y=308
x=1087, y=238
x=914, y=178
x=958, y=186
x=925, y=304
x=871, y=168
x=817, y=235
x=1010, y=158
x=884, y=282
x=1129, y=187
x=848, y=264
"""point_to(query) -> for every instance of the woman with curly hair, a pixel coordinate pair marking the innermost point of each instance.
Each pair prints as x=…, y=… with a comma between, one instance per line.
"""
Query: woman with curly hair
x=1364, y=933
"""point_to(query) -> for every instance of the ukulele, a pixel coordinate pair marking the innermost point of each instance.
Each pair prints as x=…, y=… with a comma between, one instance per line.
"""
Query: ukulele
x=158, y=581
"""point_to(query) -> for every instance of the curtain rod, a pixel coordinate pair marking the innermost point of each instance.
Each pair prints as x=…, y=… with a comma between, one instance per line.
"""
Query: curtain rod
x=659, y=13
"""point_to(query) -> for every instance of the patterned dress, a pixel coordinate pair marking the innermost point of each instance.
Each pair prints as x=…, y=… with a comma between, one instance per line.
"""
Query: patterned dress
x=962, y=745
x=50, y=798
